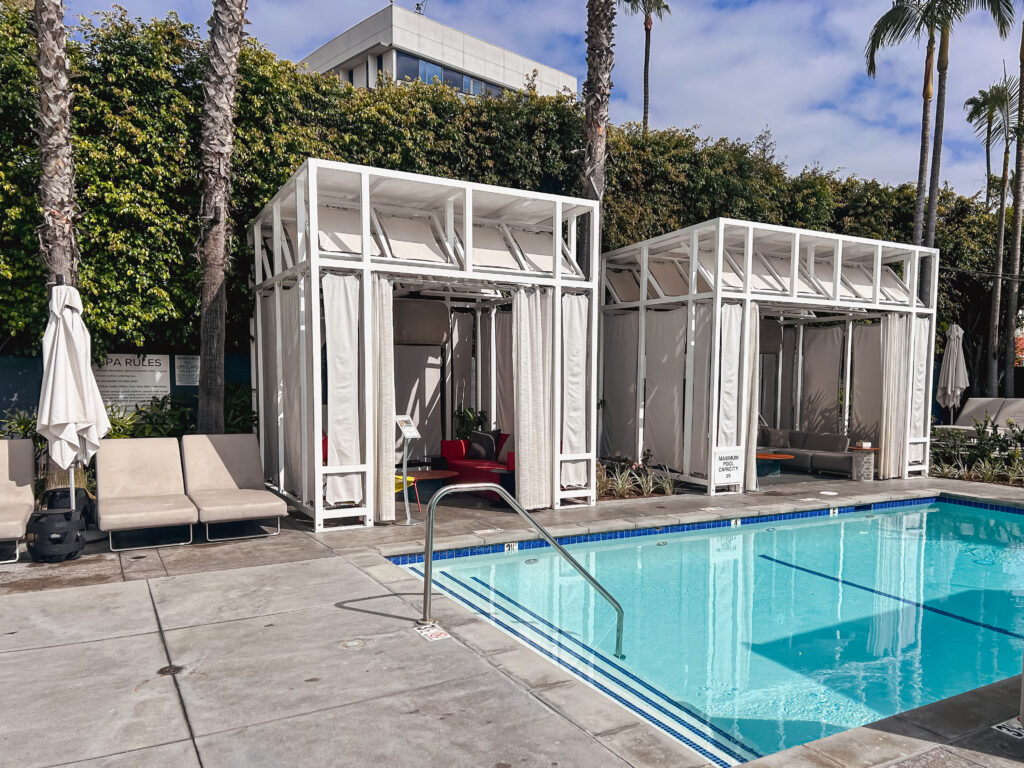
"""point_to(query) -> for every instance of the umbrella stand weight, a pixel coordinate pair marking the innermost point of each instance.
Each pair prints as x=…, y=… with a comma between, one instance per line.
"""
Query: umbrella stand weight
x=56, y=532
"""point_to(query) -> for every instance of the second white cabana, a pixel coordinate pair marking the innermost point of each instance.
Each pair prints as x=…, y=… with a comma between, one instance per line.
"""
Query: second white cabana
x=767, y=327
x=380, y=293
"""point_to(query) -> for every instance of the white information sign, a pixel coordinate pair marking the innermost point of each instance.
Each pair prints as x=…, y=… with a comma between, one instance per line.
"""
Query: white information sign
x=409, y=431
x=729, y=466
x=186, y=370
x=132, y=380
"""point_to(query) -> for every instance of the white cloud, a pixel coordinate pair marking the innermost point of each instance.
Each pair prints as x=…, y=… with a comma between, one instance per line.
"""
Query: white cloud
x=731, y=66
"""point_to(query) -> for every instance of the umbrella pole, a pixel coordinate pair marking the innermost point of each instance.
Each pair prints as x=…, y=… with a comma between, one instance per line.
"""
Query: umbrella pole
x=71, y=486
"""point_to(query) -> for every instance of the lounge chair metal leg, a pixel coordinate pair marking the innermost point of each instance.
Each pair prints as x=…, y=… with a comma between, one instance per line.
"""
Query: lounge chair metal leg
x=110, y=538
x=240, y=538
x=17, y=553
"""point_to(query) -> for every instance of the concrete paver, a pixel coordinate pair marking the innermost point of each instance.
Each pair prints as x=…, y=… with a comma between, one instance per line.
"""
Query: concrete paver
x=178, y=754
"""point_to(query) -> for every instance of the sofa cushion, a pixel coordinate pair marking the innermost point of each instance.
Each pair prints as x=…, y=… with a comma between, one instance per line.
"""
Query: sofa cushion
x=14, y=517
x=824, y=441
x=775, y=438
x=237, y=504
x=453, y=450
x=801, y=459
x=508, y=444
x=481, y=446
x=797, y=438
x=130, y=513
x=137, y=467
x=221, y=462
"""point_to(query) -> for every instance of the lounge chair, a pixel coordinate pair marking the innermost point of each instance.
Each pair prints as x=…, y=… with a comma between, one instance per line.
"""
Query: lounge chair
x=17, y=499
x=224, y=479
x=975, y=409
x=139, y=484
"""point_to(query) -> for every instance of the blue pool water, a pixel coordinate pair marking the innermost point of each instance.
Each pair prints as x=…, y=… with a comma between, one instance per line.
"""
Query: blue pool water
x=746, y=640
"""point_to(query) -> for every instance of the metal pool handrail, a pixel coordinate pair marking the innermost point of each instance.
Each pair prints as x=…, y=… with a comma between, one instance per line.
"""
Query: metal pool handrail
x=428, y=552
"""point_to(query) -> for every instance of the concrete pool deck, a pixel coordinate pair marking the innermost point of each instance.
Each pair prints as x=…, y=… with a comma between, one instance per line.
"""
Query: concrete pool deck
x=301, y=650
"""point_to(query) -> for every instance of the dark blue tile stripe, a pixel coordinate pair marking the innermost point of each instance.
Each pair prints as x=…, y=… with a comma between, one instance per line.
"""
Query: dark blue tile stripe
x=580, y=673
x=611, y=663
x=904, y=600
x=491, y=549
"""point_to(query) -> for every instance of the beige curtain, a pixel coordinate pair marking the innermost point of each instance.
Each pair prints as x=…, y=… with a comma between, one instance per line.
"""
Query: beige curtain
x=665, y=339
x=618, y=416
x=382, y=336
x=700, y=422
x=343, y=423
x=896, y=365
x=575, y=385
x=752, y=353
x=531, y=362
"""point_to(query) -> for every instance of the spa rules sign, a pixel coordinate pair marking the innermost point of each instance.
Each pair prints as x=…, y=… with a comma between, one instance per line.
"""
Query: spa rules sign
x=729, y=466
x=132, y=380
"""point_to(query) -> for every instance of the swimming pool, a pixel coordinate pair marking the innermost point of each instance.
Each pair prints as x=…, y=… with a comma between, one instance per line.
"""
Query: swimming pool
x=746, y=637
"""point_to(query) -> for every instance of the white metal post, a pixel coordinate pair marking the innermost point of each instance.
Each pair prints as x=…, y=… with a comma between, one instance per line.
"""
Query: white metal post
x=595, y=276
x=492, y=363
x=556, y=358
x=305, y=354
x=910, y=272
x=716, y=351
x=691, y=329
x=641, y=353
x=261, y=384
x=313, y=254
x=279, y=377
x=369, y=374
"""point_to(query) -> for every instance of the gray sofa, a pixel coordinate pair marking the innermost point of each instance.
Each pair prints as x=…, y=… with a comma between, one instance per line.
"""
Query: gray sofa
x=811, y=451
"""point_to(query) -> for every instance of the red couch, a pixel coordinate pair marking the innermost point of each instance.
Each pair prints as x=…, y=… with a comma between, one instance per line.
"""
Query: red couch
x=474, y=470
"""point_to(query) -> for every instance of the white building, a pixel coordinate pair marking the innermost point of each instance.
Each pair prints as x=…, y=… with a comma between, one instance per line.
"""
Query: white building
x=408, y=45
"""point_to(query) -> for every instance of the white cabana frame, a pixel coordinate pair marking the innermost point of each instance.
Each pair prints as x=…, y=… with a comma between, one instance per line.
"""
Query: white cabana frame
x=468, y=245
x=799, y=276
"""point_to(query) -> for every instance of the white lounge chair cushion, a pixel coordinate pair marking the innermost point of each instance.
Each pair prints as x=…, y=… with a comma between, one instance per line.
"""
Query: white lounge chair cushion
x=131, y=513
x=138, y=467
x=17, y=500
x=237, y=504
x=221, y=462
x=14, y=517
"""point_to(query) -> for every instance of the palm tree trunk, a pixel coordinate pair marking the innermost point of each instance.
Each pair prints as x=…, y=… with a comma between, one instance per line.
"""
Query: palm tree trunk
x=648, y=23
x=216, y=143
x=57, y=245
x=926, y=130
x=1012, y=287
x=997, y=283
x=940, y=119
x=988, y=165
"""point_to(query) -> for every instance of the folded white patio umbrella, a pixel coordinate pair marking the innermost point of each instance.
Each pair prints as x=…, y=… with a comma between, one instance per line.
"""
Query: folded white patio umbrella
x=71, y=414
x=953, y=373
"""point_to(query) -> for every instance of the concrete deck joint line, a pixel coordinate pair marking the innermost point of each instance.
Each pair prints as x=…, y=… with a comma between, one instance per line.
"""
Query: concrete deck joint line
x=174, y=677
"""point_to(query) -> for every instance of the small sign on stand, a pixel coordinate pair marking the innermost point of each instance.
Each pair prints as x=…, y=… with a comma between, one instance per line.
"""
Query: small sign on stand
x=729, y=466
x=409, y=432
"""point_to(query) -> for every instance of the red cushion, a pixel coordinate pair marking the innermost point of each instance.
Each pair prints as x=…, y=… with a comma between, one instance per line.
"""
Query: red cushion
x=502, y=439
x=453, y=450
x=512, y=460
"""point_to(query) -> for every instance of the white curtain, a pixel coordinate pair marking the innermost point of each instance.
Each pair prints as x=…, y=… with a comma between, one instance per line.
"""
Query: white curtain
x=270, y=384
x=666, y=373
x=418, y=394
x=700, y=422
x=866, y=383
x=920, y=415
x=896, y=365
x=729, y=411
x=575, y=385
x=752, y=354
x=463, y=385
x=344, y=418
x=788, y=363
x=531, y=340
x=291, y=362
x=506, y=410
x=618, y=415
x=822, y=371
x=382, y=335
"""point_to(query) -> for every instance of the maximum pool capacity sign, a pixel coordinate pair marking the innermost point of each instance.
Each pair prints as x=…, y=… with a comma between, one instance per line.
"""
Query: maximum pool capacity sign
x=729, y=466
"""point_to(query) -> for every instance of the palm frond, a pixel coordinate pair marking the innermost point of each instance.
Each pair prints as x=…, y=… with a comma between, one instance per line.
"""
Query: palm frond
x=906, y=19
x=1002, y=12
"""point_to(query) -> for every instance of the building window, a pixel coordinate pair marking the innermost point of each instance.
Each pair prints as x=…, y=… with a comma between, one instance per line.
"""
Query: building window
x=380, y=62
x=406, y=67
x=429, y=70
x=412, y=68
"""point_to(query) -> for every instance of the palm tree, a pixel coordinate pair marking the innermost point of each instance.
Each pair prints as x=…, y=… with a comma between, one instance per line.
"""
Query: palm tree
x=650, y=9
x=981, y=113
x=1004, y=95
x=1012, y=297
x=949, y=12
x=57, y=244
x=216, y=144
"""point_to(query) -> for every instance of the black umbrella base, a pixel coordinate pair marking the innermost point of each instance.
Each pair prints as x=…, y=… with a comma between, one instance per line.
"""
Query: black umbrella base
x=58, y=534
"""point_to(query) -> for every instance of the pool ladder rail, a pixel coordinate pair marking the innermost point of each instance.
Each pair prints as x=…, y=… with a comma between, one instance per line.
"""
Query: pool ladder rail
x=428, y=552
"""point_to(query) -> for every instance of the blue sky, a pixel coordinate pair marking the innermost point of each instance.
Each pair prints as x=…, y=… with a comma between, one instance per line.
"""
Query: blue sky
x=731, y=67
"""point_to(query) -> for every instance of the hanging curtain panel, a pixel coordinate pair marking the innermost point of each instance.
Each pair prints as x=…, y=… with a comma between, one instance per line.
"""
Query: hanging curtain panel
x=344, y=419
x=729, y=411
x=920, y=413
x=822, y=372
x=665, y=386
x=531, y=360
x=575, y=386
x=618, y=415
x=504, y=372
x=291, y=361
x=418, y=394
x=463, y=383
x=382, y=334
x=752, y=354
x=892, y=455
x=271, y=387
x=788, y=363
x=700, y=422
x=866, y=383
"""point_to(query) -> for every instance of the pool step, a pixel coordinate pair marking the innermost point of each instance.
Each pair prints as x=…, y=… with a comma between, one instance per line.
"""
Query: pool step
x=598, y=669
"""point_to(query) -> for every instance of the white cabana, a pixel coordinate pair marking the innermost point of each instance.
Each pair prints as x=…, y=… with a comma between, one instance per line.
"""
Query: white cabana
x=380, y=292
x=769, y=326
